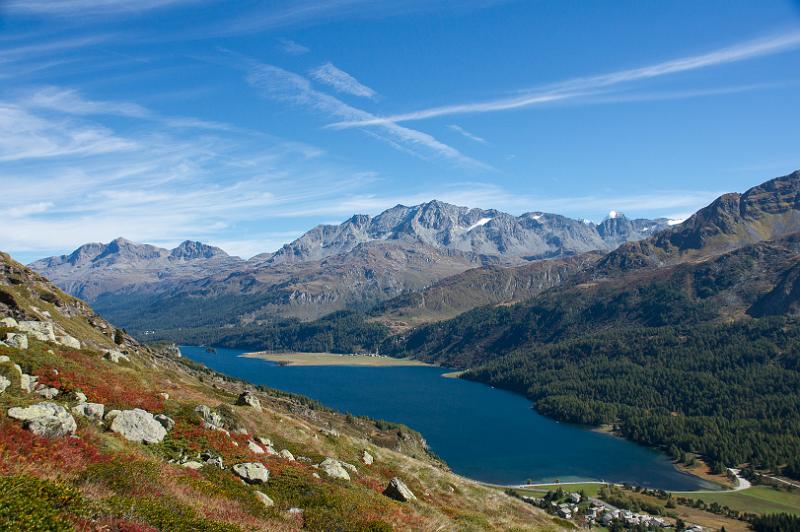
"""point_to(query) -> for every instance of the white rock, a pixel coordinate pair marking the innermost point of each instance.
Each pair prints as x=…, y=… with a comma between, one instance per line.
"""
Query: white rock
x=166, y=421
x=349, y=467
x=252, y=472
x=254, y=447
x=4, y=359
x=211, y=419
x=68, y=341
x=80, y=397
x=333, y=468
x=27, y=382
x=164, y=395
x=264, y=498
x=366, y=457
x=248, y=399
x=398, y=491
x=91, y=411
x=286, y=455
x=17, y=340
x=110, y=415
x=41, y=330
x=46, y=391
x=266, y=442
x=5, y=382
x=138, y=425
x=116, y=356
x=192, y=464
x=49, y=420
x=11, y=323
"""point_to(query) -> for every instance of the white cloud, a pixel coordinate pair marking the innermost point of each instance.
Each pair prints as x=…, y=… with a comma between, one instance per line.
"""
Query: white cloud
x=88, y=7
x=593, y=85
x=460, y=130
x=26, y=136
x=340, y=80
x=282, y=85
x=293, y=48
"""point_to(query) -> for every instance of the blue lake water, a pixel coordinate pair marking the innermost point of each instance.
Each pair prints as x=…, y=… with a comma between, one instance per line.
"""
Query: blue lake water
x=481, y=432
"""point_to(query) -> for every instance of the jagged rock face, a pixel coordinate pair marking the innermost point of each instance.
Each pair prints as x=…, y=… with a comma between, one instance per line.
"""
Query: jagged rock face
x=487, y=232
x=355, y=264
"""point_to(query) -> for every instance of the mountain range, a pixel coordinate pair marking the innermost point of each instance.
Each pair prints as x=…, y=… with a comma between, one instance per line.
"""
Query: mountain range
x=353, y=265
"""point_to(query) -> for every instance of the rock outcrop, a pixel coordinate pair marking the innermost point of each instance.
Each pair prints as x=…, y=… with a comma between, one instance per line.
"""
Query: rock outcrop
x=91, y=411
x=49, y=420
x=248, y=399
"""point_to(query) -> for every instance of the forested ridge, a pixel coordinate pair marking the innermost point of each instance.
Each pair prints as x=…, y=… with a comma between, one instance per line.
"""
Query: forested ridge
x=729, y=392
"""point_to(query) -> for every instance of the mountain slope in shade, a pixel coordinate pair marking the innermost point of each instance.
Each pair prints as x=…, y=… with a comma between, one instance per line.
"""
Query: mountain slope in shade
x=765, y=212
x=489, y=285
x=124, y=266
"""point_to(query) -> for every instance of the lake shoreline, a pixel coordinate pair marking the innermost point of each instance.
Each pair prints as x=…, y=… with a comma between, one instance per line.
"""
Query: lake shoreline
x=330, y=361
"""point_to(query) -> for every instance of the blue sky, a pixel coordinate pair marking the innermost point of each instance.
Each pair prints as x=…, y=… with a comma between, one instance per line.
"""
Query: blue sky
x=245, y=123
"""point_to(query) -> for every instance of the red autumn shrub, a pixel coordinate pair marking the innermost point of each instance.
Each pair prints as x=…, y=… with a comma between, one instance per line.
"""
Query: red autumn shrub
x=20, y=449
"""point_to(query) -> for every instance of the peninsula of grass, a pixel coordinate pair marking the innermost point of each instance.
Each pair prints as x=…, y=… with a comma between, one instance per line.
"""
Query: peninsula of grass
x=332, y=359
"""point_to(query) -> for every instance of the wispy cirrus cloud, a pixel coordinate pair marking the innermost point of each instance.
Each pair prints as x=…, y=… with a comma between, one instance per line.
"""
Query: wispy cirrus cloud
x=293, y=48
x=88, y=7
x=583, y=87
x=463, y=132
x=282, y=85
x=341, y=81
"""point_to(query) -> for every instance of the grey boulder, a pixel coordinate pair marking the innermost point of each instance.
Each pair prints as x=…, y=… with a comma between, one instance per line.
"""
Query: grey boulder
x=248, y=399
x=252, y=472
x=398, y=491
x=91, y=411
x=166, y=421
x=138, y=425
x=17, y=340
x=49, y=420
x=333, y=468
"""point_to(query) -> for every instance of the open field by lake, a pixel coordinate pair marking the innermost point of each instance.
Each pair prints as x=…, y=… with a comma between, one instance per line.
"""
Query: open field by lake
x=331, y=359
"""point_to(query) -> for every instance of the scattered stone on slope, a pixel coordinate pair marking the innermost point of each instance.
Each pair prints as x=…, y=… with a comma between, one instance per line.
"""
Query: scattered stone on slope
x=17, y=340
x=211, y=419
x=266, y=442
x=265, y=499
x=49, y=420
x=248, y=399
x=27, y=382
x=366, y=457
x=41, y=330
x=116, y=356
x=287, y=455
x=11, y=323
x=211, y=459
x=91, y=411
x=138, y=425
x=398, y=491
x=4, y=359
x=349, y=467
x=254, y=447
x=192, y=464
x=252, y=472
x=333, y=468
x=110, y=415
x=80, y=397
x=68, y=341
x=167, y=422
x=5, y=382
x=46, y=391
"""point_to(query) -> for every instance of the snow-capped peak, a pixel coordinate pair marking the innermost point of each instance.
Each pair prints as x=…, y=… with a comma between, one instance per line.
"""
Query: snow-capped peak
x=676, y=222
x=614, y=214
x=482, y=221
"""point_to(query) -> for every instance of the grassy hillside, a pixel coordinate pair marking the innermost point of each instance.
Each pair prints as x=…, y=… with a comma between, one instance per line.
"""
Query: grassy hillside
x=101, y=479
